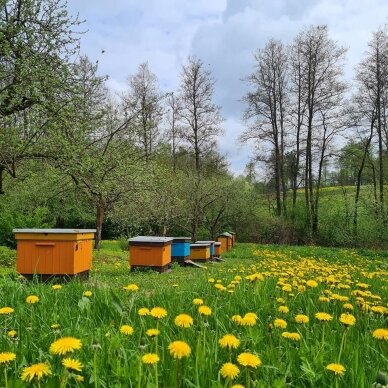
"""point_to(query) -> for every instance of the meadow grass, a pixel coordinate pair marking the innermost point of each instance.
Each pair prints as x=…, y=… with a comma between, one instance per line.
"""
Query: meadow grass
x=279, y=277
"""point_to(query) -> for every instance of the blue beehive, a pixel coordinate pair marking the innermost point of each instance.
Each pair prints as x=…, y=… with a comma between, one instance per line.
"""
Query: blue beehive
x=180, y=251
x=212, y=247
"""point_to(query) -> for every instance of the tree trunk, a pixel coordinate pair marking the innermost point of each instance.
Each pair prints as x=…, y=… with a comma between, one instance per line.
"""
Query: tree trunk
x=99, y=221
x=277, y=181
x=358, y=187
x=194, y=229
x=2, y=169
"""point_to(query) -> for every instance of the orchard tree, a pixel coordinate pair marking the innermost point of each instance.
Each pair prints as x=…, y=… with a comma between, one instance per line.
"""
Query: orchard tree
x=37, y=40
x=89, y=144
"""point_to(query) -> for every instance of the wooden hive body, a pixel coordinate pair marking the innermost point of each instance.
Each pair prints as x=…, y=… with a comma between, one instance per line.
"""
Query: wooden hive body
x=148, y=251
x=54, y=251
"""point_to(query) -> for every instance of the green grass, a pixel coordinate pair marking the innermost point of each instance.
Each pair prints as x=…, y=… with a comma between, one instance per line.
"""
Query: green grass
x=113, y=360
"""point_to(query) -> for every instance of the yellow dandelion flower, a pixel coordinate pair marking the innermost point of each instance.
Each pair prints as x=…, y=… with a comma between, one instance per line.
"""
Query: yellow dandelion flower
x=229, y=341
x=183, y=320
x=152, y=332
x=324, y=299
x=337, y=369
x=249, y=359
x=283, y=309
x=143, y=311
x=211, y=280
x=379, y=309
x=88, y=294
x=6, y=310
x=247, y=320
x=381, y=334
x=39, y=371
x=6, y=357
x=237, y=386
x=73, y=364
x=287, y=288
x=251, y=315
x=131, y=287
x=237, y=318
x=198, y=301
x=12, y=333
x=324, y=317
x=347, y=319
x=32, y=299
x=158, y=312
x=301, y=318
x=280, y=323
x=126, y=330
x=150, y=358
x=205, y=310
x=347, y=306
x=179, y=349
x=56, y=286
x=65, y=345
x=229, y=371
x=311, y=283
x=291, y=336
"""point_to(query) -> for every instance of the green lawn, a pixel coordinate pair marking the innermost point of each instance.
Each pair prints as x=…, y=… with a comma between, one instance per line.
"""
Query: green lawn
x=279, y=276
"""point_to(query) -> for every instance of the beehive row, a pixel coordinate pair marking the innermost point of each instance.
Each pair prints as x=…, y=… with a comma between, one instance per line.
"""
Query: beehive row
x=68, y=252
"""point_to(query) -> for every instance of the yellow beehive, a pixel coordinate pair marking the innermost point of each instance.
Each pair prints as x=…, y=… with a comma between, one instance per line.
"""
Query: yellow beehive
x=200, y=252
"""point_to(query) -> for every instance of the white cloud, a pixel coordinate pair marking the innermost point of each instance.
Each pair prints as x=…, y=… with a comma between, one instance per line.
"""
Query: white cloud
x=223, y=33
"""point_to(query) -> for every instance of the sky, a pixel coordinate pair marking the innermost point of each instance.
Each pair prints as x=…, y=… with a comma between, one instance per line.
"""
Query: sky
x=225, y=34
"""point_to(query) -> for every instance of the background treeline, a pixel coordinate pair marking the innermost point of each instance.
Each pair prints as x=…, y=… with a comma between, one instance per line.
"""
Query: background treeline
x=73, y=154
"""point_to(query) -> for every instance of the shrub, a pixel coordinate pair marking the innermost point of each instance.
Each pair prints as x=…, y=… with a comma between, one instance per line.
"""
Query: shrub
x=7, y=257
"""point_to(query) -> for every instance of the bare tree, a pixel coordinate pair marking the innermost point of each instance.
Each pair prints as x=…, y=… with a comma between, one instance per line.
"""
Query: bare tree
x=372, y=77
x=323, y=91
x=370, y=104
x=297, y=113
x=200, y=117
x=266, y=111
x=173, y=130
x=142, y=103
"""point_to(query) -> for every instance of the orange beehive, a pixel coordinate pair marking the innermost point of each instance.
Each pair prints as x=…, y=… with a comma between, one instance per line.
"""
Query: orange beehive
x=200, y=252
x=217, y=249
x=233, y=234
x=226, y=241
x=149, y=251
x=49, y=252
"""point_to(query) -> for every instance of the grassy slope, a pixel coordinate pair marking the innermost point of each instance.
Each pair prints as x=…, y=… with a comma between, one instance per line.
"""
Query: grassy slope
x=114, y=358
